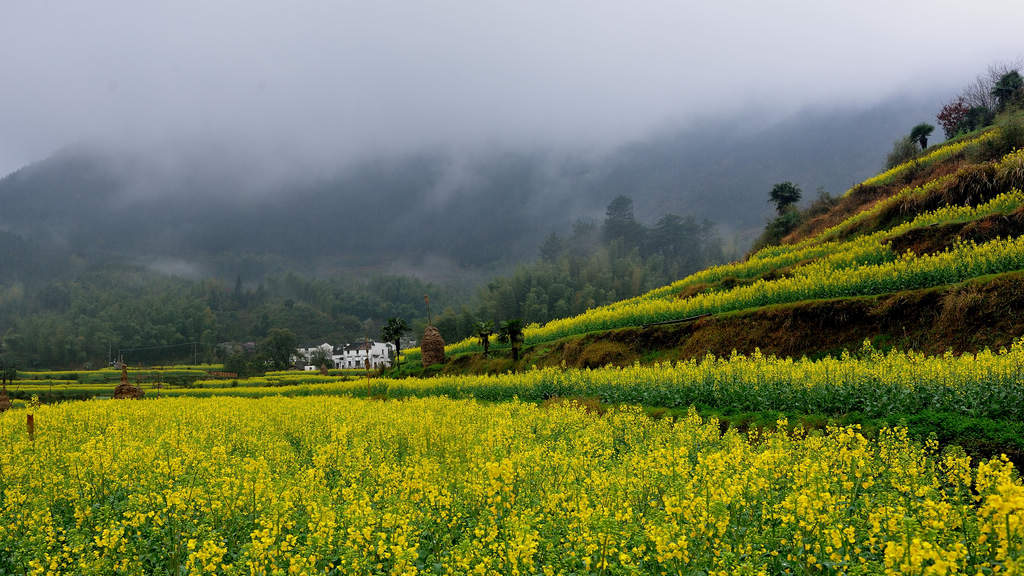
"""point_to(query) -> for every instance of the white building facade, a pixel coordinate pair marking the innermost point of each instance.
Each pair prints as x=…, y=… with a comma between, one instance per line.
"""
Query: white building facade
x=355, y=355
x=305, y=355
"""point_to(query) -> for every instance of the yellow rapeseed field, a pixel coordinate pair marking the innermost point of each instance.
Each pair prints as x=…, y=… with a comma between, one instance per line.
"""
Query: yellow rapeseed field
x=332, y=485
x=878, y=384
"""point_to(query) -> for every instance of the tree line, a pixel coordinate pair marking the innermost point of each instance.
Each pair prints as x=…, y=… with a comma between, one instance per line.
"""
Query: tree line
x=81, y=320
x=84, y=321
x=590, y=265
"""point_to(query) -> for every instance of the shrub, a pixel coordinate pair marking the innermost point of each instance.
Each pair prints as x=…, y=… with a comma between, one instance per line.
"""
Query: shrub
x=978, y=117
x=953, y=117
x=778, y=228
x=903, y=150
x=821, y=205
x=1008, y=137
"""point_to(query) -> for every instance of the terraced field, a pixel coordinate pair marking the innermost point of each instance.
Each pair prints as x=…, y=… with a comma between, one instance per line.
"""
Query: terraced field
x=841, y=261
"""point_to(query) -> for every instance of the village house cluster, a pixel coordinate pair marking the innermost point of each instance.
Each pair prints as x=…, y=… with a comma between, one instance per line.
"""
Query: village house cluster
x=355, y=355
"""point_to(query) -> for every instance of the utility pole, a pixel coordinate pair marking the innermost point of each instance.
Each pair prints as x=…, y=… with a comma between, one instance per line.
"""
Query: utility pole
x=366, y=343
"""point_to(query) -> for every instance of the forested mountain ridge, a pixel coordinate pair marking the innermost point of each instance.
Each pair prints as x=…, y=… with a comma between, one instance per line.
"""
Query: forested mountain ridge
x=106, y=251
x=482, y=210
x=926, y=255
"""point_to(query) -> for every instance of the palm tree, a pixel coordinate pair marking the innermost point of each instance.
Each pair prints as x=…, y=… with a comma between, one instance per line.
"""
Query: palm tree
x=393, y=332
x=920, y=133
x=1007, y=88
x=511, y=332
x=483, y=331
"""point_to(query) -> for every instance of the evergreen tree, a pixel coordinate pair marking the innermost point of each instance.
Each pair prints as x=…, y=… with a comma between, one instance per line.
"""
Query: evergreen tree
x=620, y=223
x=784, y=195
x=1008, y=89
x=552, y=247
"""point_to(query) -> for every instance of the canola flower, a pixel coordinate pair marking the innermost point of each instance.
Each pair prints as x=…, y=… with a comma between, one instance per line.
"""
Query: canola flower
x=281, y=378
x=817, y=280
x=46, y=382
x=57, y=390
x=438, y=486
x=1009, y=168
x=858, y=252
x=985, y=385
x=330, y=372
x=862, y=249
x=110, y=374
x=817, y=247
x=937, y=155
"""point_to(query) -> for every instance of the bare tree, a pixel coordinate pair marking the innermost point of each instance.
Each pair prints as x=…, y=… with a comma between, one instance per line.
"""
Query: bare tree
x=979, y=92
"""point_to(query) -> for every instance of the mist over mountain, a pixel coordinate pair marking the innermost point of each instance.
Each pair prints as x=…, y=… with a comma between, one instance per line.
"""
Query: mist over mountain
x=201, y=212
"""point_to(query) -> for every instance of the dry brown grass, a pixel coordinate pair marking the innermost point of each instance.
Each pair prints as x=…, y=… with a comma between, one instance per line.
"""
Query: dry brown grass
x=958, y=307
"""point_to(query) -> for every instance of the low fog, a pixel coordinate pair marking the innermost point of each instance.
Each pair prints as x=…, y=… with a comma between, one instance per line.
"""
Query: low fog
x=448, y=137
x=312, y=85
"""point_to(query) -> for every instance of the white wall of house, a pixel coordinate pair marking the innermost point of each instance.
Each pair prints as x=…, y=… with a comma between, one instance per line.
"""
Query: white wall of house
x=349, y=356
x=306, y=354
x=355, y=355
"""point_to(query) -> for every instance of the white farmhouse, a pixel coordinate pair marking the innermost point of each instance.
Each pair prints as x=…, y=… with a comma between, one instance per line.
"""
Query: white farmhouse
x=304, y=356
x=355, y=355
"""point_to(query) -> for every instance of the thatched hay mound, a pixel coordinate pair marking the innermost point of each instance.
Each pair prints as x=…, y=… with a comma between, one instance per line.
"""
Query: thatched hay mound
x=128, y=390
x=5, y=401
x=432, y=347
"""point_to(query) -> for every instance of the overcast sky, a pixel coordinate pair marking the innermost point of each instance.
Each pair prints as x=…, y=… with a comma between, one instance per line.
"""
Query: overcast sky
x=313, y=80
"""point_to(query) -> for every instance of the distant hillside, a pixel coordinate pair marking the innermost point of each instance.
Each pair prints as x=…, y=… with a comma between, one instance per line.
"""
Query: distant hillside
x=926, y=256
x=432, y=212
x=104, y=250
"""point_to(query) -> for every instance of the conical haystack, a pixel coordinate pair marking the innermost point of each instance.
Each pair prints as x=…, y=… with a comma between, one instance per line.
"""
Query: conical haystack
x=432, y=347
x=126, y=389
x=5, y=400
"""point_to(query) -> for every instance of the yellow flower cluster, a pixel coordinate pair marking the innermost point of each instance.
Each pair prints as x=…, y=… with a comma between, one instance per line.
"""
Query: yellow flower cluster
x=816, y=252
x=345, y=486
x=937, y=155
x=330, y=372
x=984, y=385
x=864, y=274
x=862, y=249
x=110, y=374
x=281, y=378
